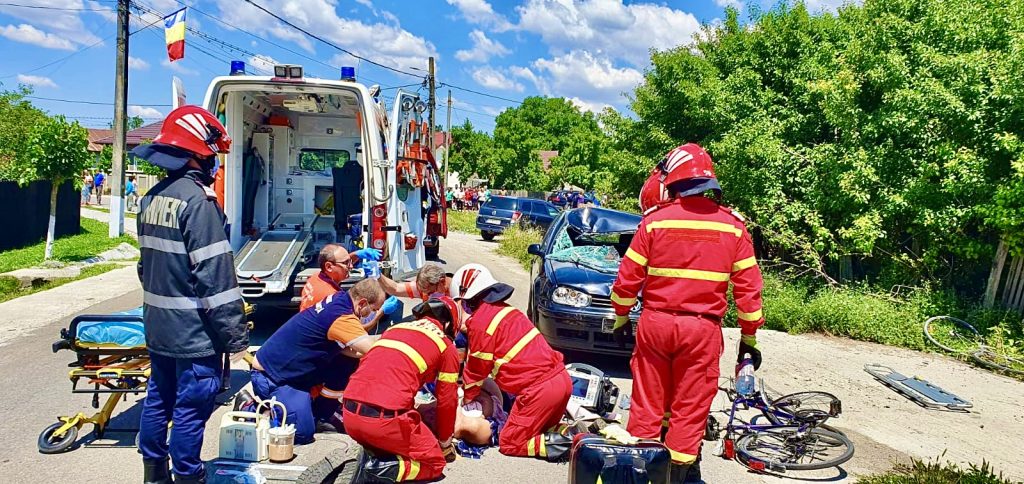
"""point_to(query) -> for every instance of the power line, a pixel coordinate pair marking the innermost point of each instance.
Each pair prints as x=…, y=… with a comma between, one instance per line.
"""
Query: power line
x=96, y=103
x=453, y=86
x=46, y=7
x=327, y=42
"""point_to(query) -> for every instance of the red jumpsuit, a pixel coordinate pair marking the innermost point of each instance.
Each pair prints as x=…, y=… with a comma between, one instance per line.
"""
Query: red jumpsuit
x=406, y=357
x=683, y=256
x=505, y=346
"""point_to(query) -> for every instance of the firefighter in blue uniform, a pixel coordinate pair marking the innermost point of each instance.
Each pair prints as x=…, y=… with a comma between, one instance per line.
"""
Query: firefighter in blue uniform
x=193, y=310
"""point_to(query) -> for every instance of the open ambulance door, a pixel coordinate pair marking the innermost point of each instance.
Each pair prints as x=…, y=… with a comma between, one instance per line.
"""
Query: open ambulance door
x=405, y=212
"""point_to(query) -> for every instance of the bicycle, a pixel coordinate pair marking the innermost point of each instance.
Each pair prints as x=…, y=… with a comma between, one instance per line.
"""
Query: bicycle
x=959, y=337
x=795, y=438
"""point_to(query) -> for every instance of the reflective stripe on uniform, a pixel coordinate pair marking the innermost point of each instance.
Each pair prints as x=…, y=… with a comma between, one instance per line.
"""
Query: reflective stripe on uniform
x=414, y=470
x=169, y=302
x=447, y=377
x=744, y=264
x=210, y=251
x=682, y=458
x=441, y=345
x=533, y=333
x=162, y=245
x=531, y=447
x=406, y=349
x=497, y=319
x=754, y=316
x=636, y=257
x=401, y=469
x=689, y=274
x=335, y=394
x=474, y=384
x=622, y=301
x=694, y=225
x=482, y=356
x=220, y=299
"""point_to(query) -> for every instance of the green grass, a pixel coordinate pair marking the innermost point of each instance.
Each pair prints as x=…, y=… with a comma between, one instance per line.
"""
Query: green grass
x=107, y=210
x=11, y=289
x=462, y=221
x=89, y=242
x=514, y=241
x=935, y=473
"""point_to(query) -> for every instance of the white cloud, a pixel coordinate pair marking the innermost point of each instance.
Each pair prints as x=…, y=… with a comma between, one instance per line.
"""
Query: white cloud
x=144, y=112
x=480, y=12
x=137, y=63
x=387, y=43
x=178, y=68
x=64, y=24
x=30, y=35
x=37, y=81
x=263, y=63
x=492, y=78
x=738, y=4
x=607, y=27
x=366, y=3
x=592, y=82
x=483, y=48
x=104, y=11
x=589, y=106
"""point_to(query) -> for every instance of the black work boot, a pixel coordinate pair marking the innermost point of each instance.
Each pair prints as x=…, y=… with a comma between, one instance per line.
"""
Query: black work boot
x=156, y=471
x=375, y=469
x=194, y=479
x=557, y=446
x=679, y=473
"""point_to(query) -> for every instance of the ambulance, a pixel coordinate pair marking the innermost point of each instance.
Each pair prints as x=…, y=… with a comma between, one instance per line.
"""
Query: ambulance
x=318, y=161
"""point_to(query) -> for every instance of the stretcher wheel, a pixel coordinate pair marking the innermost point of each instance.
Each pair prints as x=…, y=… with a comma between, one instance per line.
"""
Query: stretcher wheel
x=49, y=444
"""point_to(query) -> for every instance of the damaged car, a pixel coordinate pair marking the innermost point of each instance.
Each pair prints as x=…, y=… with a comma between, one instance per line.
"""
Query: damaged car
x=575, y=266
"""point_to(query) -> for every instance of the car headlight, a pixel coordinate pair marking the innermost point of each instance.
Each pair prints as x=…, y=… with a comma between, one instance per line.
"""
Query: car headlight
x=570, y=297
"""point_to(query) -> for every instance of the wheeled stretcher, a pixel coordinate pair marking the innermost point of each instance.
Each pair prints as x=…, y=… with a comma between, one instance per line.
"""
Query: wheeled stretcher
x=111, y=360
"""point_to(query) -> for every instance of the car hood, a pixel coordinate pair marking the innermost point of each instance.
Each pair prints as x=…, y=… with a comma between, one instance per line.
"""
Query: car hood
x=581, y=278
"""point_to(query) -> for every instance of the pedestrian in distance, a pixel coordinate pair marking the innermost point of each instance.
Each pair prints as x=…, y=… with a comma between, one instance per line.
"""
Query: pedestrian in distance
x=87, y=182
x=686, y=252
x=192, y=307
x=131, y=195
x=98, y=181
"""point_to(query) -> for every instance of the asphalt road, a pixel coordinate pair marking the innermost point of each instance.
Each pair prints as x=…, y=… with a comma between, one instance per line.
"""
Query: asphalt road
x=36, y=390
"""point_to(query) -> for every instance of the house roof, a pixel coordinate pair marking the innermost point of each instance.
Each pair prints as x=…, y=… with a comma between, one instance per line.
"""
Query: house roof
x=95, y=135
x=545, y=158
x=439, y=139
x=136, y=136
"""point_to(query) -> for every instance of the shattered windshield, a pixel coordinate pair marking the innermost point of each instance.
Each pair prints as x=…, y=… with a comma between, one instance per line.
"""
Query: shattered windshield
x=601, y=252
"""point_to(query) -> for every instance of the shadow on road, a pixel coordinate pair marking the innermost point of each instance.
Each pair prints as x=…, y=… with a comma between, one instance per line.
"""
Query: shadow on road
x=613, y=365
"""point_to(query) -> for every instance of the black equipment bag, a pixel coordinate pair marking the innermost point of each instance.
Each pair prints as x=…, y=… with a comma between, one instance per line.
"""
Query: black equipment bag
x=596, y=459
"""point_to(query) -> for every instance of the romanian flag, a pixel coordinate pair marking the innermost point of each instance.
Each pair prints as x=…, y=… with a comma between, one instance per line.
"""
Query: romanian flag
x=174, y=33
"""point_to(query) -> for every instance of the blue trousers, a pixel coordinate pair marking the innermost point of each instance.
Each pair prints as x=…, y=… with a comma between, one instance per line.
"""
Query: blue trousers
x=180, y=390
x=303, y=410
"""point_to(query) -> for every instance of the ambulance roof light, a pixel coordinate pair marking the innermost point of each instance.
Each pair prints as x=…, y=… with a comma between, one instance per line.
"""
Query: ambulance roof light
x=237, y=68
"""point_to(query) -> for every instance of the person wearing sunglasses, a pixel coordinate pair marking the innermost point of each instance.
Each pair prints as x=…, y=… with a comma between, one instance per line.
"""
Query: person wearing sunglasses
x=335, y=264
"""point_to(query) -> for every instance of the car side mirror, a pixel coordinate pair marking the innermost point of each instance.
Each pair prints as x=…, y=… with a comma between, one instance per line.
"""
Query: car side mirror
x=534, y=249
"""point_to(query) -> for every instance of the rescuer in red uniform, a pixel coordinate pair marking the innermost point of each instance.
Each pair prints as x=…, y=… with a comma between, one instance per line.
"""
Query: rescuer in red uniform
x=505, y=346
x=686, y=251
x=378, y=408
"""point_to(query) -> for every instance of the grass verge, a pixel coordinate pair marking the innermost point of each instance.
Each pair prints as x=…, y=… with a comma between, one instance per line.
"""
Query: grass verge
x=462, y=221
x=89, y=242
x=514, y=241
x=107, y=210
x=920, y=472
x=11, y=289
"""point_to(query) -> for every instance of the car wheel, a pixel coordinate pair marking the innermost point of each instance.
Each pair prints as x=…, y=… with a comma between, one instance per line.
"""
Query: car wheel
x=488, y=236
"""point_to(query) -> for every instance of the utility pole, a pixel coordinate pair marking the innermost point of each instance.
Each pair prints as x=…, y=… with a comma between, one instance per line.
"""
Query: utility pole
x=447, y=138
x=120, y=124
x=431, y=104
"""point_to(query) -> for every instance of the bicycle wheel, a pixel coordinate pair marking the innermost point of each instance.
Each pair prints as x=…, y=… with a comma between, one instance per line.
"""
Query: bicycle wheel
x=998, y=361
x=803, y=408
x=789, y=448
x=952, y=334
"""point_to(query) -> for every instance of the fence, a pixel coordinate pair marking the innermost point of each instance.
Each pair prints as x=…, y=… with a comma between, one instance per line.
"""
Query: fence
x=25, y=212
x=1006, y=280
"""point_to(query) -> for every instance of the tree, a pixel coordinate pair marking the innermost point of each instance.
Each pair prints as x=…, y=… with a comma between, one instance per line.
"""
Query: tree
x=17, y=119
x=57, y=152
x=470, y=151
x=132, y=122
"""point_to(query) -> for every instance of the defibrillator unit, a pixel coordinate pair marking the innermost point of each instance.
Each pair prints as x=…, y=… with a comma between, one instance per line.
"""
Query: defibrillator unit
x=591, y=389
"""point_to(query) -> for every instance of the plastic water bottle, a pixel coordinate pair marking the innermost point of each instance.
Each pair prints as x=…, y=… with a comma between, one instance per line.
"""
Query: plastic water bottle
x=371, y=269
x=745, y=377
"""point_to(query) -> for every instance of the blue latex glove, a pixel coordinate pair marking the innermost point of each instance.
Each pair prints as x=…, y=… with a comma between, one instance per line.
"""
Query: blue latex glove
x=390, y=305
x=367, y=254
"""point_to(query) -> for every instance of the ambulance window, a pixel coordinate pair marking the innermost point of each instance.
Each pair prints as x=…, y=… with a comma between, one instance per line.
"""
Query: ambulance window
x=322, y=160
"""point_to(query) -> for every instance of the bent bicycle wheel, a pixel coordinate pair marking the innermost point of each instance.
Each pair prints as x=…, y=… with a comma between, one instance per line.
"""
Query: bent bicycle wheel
x=952, y=334
x=998, y=361
x=790, y=448
x=803, y=408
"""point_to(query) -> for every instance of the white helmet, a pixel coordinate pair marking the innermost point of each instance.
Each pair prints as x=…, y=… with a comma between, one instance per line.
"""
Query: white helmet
x=470, y=280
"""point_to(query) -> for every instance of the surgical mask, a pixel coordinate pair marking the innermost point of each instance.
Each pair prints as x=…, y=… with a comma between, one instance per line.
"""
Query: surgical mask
x=465, y=307
x=208, y=167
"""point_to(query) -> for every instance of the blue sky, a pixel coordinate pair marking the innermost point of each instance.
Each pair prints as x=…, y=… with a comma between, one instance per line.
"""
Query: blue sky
x=590, y=51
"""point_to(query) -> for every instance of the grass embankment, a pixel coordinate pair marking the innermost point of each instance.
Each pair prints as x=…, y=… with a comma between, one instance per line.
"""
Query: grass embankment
x=464, y=221
x=855, y=312
x=935, y=473
x=91, y=241
x=11, y=289
x=107, y=210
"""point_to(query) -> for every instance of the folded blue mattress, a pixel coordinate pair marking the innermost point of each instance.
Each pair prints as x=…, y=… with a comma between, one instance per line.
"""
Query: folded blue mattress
x=127, y=334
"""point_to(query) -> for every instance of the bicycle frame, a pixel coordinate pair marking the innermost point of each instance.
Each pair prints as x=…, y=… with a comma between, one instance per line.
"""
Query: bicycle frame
x=736, y=428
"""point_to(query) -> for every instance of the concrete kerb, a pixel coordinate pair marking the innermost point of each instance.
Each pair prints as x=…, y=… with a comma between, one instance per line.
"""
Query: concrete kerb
x=50, y=270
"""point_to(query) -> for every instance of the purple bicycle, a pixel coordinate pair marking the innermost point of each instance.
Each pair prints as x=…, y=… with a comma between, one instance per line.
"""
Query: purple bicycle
x=790, y=432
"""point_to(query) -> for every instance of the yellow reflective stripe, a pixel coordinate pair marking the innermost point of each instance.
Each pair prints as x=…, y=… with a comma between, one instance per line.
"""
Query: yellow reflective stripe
x=543, y=447
x=622, y=301
x=414, y=470
x=689, y=274
x=636, y=257
x=531, y=448
x=404, y=348
x=447, y=377
x=471, y=385
x=694, y=225
x=599, y=481
x=682, y=458
x=482, y=356
x=497, y=319
x=514, y=351
x=754, y=316
x=744, y=264
x=441, y=345
x=401, y=468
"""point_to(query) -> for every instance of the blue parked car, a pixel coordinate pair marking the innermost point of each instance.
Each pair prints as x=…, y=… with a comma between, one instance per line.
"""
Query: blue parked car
x=500, y=212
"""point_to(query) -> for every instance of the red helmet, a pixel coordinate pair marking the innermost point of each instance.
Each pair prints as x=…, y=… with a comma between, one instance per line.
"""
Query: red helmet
x=653, y=192
x=195, y=130
x=687, y=162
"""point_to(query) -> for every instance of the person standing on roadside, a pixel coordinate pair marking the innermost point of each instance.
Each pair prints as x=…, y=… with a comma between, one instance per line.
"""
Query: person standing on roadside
x=98, y=182
x=192, y=307
x=686, y=252
x=131, y=195
x=87, y=182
